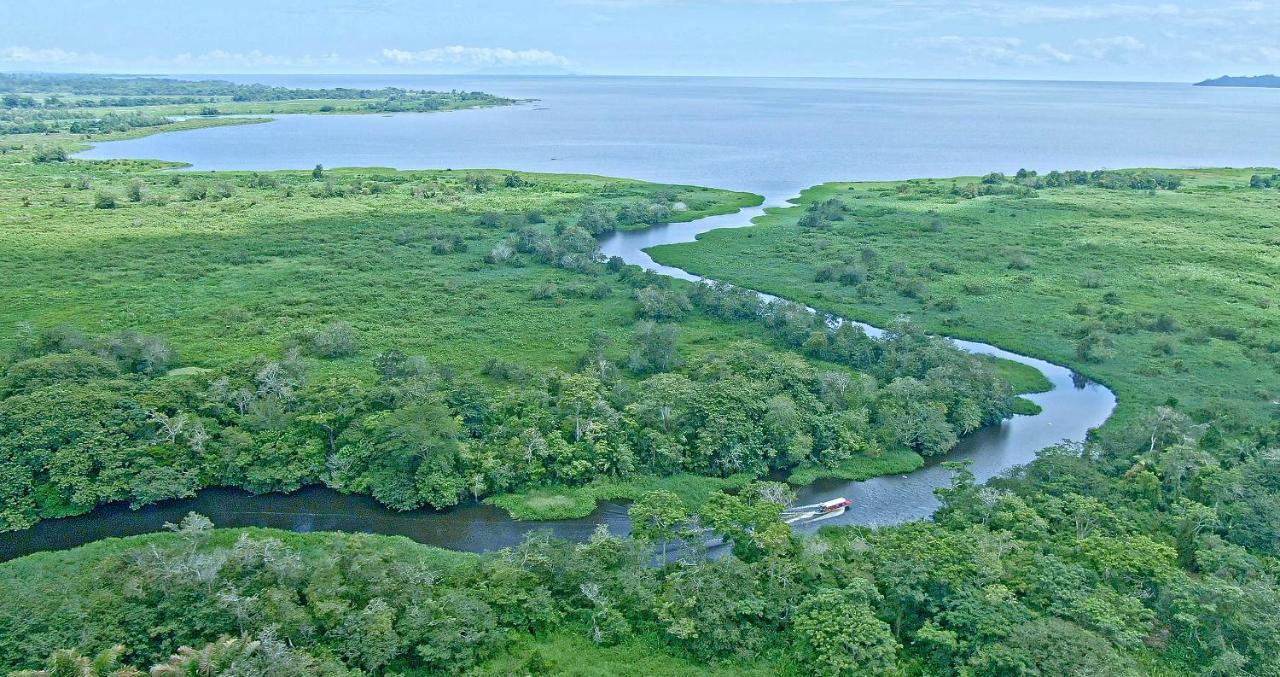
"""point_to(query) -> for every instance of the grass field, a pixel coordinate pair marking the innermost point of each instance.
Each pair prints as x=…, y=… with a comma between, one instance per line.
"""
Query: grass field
x=229, y=278
x=1168, y=296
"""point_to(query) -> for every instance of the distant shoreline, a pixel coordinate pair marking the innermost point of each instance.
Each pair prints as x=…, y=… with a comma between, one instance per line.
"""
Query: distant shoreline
x=1266, y=81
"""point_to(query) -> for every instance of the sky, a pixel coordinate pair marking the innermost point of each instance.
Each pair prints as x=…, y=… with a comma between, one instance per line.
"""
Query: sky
x=1135, y=40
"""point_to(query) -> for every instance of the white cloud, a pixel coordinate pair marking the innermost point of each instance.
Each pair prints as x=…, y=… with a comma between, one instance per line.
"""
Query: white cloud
x=980, y=50
x=223, y=61
x=476, y=56
x=1015, y=51
x=251, y=59
x=1033, y=13
x=19, y=54
x=1101, y=48
x=1057, y=54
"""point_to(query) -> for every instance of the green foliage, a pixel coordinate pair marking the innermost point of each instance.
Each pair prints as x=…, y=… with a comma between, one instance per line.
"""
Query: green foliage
x=1153, y=548
x=1160, y=295
x=517, y=400
x=655, y=517
x=1074, y=564
x=839, y=633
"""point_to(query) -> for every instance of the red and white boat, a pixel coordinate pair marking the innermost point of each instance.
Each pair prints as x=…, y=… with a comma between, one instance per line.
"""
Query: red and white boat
x=816, y=512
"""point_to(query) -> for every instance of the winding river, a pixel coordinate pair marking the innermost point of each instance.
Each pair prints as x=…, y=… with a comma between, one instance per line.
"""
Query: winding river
x=1069, y=410
x=768, y=136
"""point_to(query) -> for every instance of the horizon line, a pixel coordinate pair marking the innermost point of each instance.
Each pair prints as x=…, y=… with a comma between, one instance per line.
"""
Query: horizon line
x=607, y=75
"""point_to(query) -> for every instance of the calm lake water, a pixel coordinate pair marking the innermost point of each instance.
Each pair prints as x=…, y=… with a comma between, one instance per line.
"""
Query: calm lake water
x=769, y=136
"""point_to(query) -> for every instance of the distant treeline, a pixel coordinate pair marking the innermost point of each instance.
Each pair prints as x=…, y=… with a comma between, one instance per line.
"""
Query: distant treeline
x=99, y=85
x=43, y=104
x=75, y=122
x=1027, y=181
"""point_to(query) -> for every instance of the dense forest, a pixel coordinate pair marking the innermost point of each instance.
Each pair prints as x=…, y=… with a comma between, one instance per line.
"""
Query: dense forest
x=1150, y=552
x=438, y=337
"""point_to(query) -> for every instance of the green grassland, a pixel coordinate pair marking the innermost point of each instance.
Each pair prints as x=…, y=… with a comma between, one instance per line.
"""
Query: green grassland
x=230, y=278
x=1168, y=296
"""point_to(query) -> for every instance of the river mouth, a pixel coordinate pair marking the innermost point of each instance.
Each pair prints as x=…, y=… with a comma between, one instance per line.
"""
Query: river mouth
x=1069, y=410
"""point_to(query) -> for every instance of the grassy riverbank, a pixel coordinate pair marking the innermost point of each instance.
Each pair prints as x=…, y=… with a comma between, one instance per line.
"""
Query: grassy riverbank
x=1167, y=296
x=552, y=503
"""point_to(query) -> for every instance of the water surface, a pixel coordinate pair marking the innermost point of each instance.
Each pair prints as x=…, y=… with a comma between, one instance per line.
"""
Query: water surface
x=771, y=136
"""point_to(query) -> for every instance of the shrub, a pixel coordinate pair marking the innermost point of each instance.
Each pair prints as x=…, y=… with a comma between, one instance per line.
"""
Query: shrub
x=336, y=339
x=852, y=275
x=47, y=153
x=104, y=201
x=1019, y=261
x=1166, y=323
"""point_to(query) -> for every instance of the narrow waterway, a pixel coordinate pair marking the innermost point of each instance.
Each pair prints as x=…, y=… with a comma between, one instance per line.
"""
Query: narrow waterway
x=1070, y=409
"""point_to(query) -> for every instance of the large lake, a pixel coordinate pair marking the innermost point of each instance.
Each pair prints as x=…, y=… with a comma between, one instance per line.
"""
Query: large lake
x=769, y=136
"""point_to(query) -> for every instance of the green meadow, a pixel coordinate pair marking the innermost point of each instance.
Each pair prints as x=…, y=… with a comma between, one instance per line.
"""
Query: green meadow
x=1167, y=296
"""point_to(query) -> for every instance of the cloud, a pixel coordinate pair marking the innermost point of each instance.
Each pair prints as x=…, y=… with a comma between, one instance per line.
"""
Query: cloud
x=979, y=50
x=213, y=59
x=1245, y=55
x=1101, y=48
x=223, y=61
x=1057, y=54
x=19, y=54
x=475, y=56
x=1015, y=51
x=1039, y=13
x=251, y=59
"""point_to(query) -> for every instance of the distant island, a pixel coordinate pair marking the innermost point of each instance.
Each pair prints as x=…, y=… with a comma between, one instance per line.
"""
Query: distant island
x=1242, y=81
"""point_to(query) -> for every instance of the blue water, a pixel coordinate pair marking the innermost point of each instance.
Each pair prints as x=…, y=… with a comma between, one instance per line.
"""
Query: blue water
x=769, y=136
